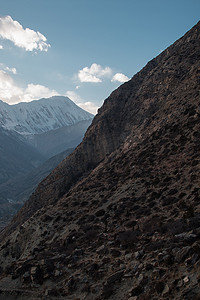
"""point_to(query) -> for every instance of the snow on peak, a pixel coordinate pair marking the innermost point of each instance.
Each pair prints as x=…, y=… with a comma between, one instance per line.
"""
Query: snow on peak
x=41, y=115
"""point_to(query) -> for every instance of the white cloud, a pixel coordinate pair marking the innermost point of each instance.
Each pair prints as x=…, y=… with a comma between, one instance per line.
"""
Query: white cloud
x=1, y=47
x=94, y=74
x=120, y=77
x=37, y=91
x=73, y=96
x=27, y=39
x=12, y=70
x=88, y=106
x=5, y=68
x=11, y=93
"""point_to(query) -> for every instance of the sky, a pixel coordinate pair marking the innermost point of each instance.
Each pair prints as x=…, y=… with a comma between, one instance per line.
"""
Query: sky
x=83, y=49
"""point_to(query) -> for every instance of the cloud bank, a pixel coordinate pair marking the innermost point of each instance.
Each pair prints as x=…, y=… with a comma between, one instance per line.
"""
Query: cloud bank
x=120, y=77
x=27, y=39
x=94, y=73
x=11, y=93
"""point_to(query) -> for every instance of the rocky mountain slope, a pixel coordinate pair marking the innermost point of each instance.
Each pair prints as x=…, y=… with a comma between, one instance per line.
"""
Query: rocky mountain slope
x=120, y=217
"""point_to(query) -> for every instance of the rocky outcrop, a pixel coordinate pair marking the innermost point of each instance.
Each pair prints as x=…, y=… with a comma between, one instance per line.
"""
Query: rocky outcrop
x=120, y=217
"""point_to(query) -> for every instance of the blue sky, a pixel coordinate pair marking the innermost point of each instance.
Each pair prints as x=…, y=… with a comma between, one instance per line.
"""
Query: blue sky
x=83, y=48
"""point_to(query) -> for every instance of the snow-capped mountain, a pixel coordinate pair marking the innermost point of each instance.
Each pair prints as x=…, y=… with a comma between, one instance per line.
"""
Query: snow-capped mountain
x=41, y=116
x=31, y=133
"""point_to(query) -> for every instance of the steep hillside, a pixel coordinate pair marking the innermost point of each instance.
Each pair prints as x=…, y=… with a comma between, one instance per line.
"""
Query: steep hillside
x=120, y=217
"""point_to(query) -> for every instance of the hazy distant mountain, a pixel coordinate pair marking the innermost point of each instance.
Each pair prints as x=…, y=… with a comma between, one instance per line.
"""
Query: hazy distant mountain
x=16, y=156
x=16, y=191
x=39, y=116
x=35, y=131
x=31, y=133
x=55, y=141
x=50, y=125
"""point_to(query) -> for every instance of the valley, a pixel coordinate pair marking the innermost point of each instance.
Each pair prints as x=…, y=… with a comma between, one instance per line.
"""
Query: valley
x=35, y=137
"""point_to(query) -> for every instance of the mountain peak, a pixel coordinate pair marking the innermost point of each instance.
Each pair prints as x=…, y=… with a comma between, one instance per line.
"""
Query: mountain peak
x=42, y=115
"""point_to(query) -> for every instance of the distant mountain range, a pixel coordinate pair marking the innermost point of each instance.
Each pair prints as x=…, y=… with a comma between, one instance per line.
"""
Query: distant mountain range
x=30, y=134
x=39, y=116
x=49, y=125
